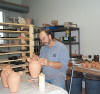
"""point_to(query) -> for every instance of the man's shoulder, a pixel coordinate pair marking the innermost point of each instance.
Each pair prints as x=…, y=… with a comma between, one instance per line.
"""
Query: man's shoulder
x=60, y=44
x=43, y=47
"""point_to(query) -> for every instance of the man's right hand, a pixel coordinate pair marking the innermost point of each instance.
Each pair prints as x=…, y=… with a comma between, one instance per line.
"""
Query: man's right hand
x=44, y=61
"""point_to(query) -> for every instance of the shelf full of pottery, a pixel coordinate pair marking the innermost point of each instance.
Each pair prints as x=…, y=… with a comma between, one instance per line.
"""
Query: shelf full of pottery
x=12, y=80
x=88, y=67
x=16, y=44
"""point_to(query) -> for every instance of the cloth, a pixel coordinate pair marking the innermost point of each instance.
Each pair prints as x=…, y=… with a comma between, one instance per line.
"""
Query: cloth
x=57, y=53
x=92, y=86
x=76, y=87
x=57, y=82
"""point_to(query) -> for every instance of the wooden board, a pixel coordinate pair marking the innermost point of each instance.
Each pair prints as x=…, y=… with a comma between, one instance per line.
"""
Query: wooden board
x=10, y=31
x=14, y=38
x=16, y=52
x=12, y=45
x=15, y=24
x=86, y=70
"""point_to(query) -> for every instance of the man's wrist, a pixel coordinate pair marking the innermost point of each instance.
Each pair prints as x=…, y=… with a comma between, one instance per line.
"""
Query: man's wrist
x=49, y=63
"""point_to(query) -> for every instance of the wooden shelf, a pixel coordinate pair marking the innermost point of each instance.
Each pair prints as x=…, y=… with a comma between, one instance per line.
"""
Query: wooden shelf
x=21, y=65
x=6, y=60
x=12, y=45
x=15, y=24
x=16, y=66
x=25, y=40
x=10, y=31
x=16, y=52
x=14, y=38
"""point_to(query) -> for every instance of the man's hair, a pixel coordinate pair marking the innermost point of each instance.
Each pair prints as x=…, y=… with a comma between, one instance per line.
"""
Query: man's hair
x=49, y=32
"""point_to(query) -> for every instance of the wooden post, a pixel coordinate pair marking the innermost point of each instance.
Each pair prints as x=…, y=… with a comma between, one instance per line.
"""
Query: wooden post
x=31, y=40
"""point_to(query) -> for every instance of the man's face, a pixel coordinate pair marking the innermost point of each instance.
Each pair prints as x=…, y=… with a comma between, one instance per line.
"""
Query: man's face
x=44, y=38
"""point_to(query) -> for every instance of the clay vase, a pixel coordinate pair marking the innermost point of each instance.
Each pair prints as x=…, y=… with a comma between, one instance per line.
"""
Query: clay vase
x=86, y=62
x=14, y=79
x=34, y=67
x=6, y=70
x=93, y=64
x=4, y=79
x=89, y=65
x=83, y=65
x=97, y=65
x=28, y=21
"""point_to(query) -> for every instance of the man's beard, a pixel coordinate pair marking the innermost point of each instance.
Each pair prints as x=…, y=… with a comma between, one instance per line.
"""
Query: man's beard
x=47, y=43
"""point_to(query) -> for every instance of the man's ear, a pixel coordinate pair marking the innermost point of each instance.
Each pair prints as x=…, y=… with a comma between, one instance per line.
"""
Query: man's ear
x=49, y=36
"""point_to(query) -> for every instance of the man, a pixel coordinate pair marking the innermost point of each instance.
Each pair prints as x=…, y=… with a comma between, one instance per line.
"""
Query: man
x=54, y=57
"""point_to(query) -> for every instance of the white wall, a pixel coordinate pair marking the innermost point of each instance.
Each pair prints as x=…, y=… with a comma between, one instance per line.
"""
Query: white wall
x=85, y=13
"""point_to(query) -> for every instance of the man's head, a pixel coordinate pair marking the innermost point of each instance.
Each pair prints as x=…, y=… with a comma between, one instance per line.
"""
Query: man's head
x=46, y=37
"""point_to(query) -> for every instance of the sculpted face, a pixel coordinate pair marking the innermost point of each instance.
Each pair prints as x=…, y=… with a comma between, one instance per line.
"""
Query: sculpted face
x=45, y=38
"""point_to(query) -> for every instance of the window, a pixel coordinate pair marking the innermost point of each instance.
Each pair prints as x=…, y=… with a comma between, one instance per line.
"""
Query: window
x=1, y=27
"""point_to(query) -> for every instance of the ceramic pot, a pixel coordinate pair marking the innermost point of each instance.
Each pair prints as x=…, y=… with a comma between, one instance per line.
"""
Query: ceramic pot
x=89, y=65
x=34, y=67
x=28, y=21
x=14, y=79
x=83, y=65
x=4, y=79
x=6, y=70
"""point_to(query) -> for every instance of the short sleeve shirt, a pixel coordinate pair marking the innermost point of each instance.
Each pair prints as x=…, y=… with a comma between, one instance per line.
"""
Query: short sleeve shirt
x=57, y=53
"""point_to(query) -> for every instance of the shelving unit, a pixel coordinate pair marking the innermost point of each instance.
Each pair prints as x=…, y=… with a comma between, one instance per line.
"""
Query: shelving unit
x=74, y=43
x=69, y=43
x=37, y=42
x=25, y=44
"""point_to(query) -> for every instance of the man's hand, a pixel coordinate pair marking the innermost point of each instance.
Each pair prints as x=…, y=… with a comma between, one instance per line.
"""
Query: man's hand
x=44, y=61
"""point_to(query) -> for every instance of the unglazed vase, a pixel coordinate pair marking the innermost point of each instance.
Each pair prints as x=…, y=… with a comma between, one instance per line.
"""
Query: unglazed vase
x=14, y=80
x=6, y=70
x=34, y=67
x=28, y=21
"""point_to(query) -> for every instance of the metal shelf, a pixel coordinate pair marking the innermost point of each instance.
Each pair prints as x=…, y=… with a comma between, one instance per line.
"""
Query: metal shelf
x=72, y=43
x=63, y=29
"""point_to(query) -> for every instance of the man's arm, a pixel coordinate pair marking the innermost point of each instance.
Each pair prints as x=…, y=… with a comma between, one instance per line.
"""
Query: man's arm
x=44, y=61
x=56, y=65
